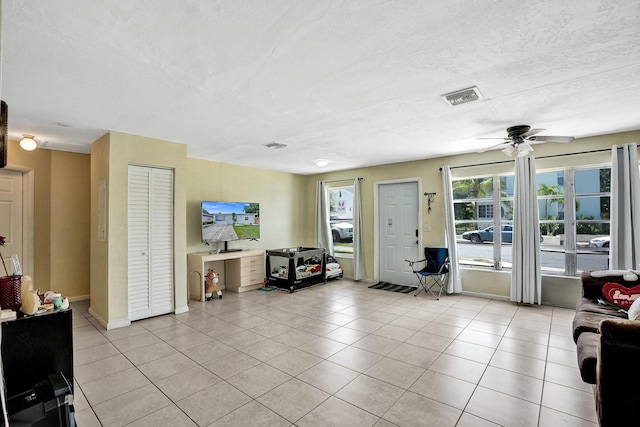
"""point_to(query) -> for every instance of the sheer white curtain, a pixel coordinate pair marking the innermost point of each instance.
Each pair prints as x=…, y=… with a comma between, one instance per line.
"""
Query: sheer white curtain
x=624, y=250
x=454, y=284
x=358, y=259
x=526, y=278
x=323, y=229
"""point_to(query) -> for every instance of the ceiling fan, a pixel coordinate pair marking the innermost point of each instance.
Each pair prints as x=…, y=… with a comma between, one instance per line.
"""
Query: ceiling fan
x=519, y=139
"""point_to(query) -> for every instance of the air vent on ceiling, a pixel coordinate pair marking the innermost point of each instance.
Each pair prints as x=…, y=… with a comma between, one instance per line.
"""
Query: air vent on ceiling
x=275, y=145
x=462, y=96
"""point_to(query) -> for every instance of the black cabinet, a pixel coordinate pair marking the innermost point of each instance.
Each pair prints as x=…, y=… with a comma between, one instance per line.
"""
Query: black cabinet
x=35, y=351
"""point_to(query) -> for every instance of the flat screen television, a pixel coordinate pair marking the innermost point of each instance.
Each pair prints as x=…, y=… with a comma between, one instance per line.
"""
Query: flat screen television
x=229, y=221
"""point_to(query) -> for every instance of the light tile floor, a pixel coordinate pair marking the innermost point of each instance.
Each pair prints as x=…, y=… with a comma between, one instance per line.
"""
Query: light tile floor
x=333, y=355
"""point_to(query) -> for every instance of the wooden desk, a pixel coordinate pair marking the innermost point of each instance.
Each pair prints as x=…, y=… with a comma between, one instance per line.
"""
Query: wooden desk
x=243, y=271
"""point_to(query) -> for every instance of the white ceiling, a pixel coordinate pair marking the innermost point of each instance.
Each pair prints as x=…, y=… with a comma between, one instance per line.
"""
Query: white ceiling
x=355, y=82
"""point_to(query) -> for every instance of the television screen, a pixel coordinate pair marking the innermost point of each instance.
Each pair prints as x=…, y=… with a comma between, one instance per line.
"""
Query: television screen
x=227, y=221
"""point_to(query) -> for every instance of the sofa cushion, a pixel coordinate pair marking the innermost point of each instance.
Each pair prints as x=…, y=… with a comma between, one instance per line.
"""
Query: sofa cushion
x=586, y=321
x=620, y=295
x=587, y=350
x=585, y=304
x=592, y=282
x=617, y=375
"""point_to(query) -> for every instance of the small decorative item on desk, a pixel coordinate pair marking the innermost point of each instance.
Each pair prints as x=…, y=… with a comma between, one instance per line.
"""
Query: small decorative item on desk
x=10, y=289
x=54, y=298
x=30, y=303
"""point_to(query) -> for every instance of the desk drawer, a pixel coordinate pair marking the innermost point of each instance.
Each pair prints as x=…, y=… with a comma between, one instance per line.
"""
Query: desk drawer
x=255, y=261
x=251, y=271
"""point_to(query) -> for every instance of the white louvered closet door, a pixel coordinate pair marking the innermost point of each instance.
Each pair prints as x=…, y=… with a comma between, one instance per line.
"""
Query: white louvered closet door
x=150, y=227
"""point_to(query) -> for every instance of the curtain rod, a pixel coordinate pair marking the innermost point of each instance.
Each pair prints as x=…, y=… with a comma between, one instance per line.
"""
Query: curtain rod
x=541, y=157
x=342, y=180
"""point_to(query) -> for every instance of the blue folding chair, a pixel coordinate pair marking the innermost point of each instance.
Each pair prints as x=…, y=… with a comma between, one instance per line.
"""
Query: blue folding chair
x=436, y=267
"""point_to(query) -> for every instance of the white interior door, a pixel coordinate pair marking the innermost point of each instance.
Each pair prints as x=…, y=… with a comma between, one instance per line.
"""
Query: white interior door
x=150, y=242
x=11, y=226
x=398, y=217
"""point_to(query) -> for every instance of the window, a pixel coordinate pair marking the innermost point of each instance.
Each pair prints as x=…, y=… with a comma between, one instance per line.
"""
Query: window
x=475, y=202
x=573, y=211
x=341, y=218
x=573, y=206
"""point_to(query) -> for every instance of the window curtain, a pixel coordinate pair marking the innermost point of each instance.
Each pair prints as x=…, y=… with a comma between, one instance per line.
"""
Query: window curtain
x=526, y=278
x=323, y=229
x=454, y=281
x=624, y=250
x=358, y=259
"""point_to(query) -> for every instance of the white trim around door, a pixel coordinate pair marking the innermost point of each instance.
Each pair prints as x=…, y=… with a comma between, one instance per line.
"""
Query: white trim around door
x=377, y=187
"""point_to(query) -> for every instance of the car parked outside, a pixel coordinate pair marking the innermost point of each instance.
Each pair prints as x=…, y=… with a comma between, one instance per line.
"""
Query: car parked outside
x=600, y=242
x=486, y=235
x=342, y=231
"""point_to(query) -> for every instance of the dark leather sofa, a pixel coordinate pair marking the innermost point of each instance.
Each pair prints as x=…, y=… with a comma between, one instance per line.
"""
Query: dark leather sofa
x=608, y=349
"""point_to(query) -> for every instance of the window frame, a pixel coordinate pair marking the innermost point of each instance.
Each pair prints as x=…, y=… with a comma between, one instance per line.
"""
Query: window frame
x=569, y=221
x=341, y=248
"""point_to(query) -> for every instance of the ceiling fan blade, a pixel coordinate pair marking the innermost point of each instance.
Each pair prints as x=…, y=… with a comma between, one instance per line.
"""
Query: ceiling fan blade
x=493, y=146
x=544, y=138
x=495, y=137
x=531, y=132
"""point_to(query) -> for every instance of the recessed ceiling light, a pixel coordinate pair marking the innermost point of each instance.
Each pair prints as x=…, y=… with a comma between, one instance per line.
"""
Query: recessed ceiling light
x=322, y=162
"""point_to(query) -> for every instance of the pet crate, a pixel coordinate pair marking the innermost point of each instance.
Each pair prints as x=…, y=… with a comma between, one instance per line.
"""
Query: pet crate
x=295, y=268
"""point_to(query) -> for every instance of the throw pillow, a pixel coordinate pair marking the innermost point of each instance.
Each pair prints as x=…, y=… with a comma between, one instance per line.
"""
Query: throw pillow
x=634, y=310
x=620, y=295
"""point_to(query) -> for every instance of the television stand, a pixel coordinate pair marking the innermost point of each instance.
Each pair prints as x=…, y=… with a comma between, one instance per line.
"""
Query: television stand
x=240, y=271
x=227, y=250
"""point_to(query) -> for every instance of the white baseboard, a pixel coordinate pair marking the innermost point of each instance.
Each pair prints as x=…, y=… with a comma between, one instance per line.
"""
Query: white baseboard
x=183, y=309
x=486, y=296
x=98, y=318
x=79, y=298
x=123, y=323
x=109, y=325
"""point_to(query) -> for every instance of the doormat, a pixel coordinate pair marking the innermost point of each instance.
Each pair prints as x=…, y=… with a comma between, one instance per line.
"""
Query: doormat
x=386, y=286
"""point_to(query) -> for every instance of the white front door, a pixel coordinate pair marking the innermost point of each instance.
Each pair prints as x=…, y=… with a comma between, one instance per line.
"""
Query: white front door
x=398, y=217
x=11, y=226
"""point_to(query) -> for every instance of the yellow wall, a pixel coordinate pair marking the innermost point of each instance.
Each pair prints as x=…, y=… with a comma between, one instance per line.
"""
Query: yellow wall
x=428, y=174
x=61, y=218
x=281, y=201
x=70, y=255
x=64, y=205
x=99, y=248
x=111, y=157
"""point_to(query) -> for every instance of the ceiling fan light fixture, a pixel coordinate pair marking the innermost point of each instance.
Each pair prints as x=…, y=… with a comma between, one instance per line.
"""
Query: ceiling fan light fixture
x=524, y=149
x=509, y=150
x=28, y=143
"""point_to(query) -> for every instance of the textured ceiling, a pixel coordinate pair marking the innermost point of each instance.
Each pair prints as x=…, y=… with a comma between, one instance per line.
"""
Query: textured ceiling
x=357, y=83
